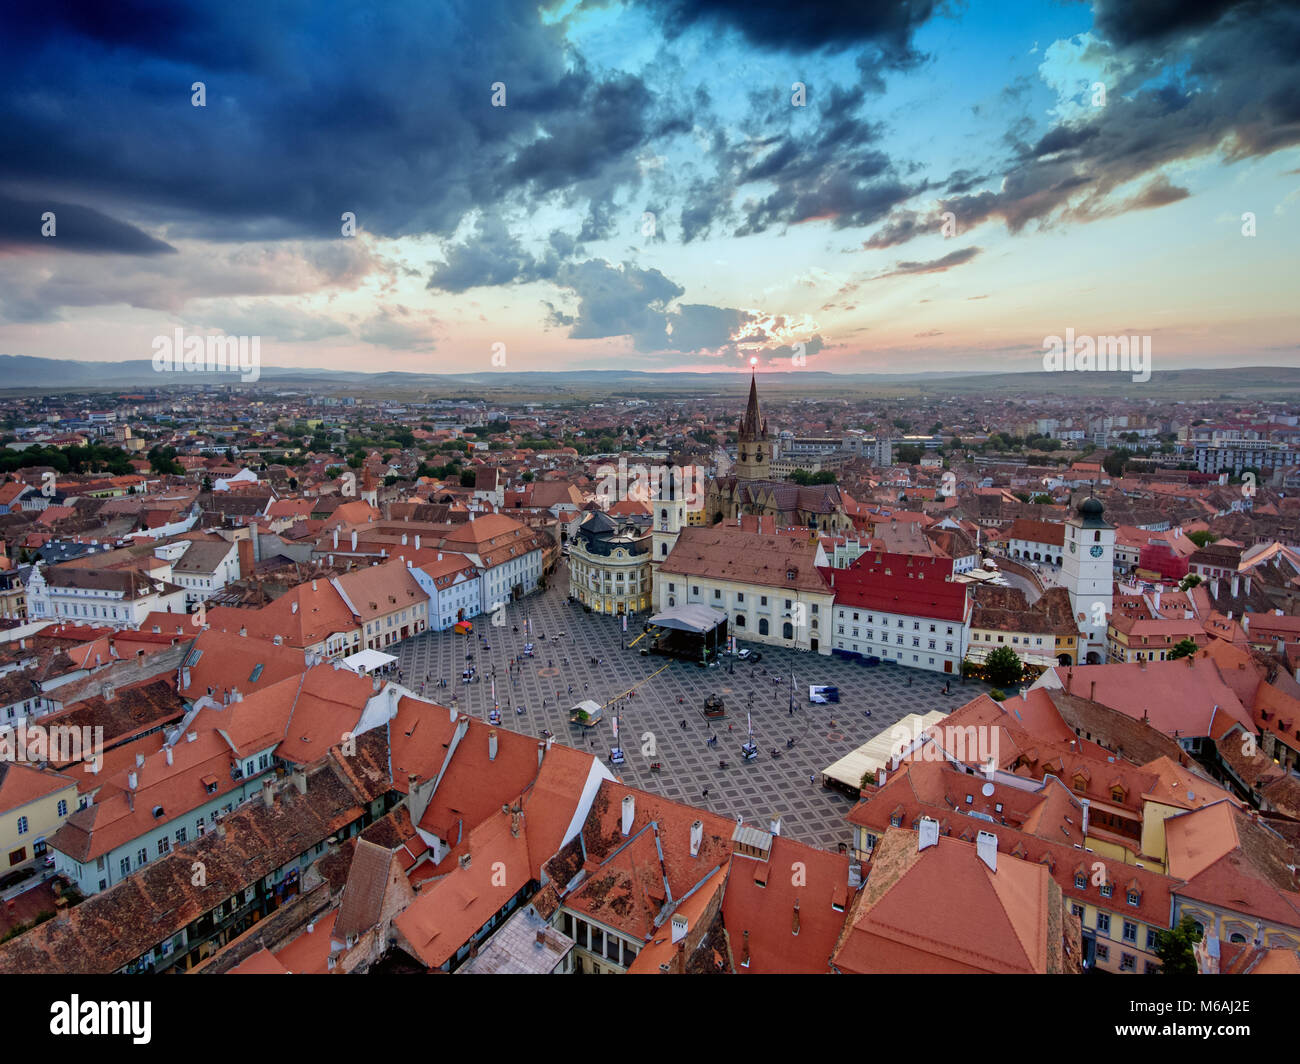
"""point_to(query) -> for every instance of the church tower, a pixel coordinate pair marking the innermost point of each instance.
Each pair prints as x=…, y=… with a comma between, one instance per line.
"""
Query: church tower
x=669, y=509
x=754, y=452
x=1088, y=572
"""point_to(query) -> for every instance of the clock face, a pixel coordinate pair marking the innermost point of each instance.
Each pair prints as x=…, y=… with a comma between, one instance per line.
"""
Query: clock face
x=1072, y=548
x=1096, y=552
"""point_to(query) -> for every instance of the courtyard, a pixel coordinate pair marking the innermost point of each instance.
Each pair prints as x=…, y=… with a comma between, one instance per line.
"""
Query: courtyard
x=578, y=656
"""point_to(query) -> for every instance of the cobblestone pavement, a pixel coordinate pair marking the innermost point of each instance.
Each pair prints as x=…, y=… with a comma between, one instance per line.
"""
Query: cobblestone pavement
x=665, y=693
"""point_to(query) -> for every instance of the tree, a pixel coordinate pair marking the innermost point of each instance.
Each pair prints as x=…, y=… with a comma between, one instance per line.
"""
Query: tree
x=1182, y=649
x=1114, y=462
x=1003, y=667
x=527, y=478
x=1174, y=948
x=1202, y=536
x=1189, y=581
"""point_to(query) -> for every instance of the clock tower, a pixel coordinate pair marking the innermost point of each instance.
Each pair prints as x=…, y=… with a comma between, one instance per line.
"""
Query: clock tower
x=1088, y=572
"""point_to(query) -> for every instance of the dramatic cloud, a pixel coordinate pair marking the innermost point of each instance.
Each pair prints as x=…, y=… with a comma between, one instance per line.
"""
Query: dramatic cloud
x=75, y=228
x=940, y=265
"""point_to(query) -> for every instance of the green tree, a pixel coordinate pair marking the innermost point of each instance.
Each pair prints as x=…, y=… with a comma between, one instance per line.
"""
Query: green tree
x=1115, y=462
x=1202, y=536
x=1174, y=948
x=1182, y=649
x=1004, y=667
x=1189, y=581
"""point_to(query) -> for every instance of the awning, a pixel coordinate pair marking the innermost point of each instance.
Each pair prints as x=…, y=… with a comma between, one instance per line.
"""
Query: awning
x=876, y=752
x=364, y=661
x=689, y=618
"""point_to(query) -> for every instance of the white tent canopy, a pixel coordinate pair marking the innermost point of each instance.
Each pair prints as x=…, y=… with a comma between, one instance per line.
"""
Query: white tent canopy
x=689, y=618
x=367, y=661
x=876, y=752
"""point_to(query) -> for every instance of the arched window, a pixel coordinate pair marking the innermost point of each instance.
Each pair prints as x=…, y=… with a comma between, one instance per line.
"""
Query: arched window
x=740, y=620
x=787, y=631
x=663, y=550
x=762, y=626
x=672, y=601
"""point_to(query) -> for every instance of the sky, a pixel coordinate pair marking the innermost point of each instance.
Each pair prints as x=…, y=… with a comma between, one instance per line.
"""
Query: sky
x=663, y=185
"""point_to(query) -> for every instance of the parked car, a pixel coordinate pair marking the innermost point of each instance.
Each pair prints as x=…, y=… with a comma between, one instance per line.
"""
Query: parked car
x=13, y=878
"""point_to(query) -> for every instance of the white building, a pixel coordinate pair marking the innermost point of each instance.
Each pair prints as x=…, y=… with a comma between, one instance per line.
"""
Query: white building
x=121, y=598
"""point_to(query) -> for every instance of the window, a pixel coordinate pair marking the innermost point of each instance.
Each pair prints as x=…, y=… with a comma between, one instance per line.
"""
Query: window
x=1103, y=952
x=1127, y=962
x=1151, y=940
x=164, y=845
x=762, y=626
x=1076, y=910
x=1103, y=923
x=63, y=807
x=124, y=865
x=142, y=857
x=22, y=825
x=1134, y=897
x=1107, y=889
x=1130, y=931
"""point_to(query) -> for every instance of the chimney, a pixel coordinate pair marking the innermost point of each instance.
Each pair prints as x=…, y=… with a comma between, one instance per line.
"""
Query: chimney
x=744, y=953
x=244, y=549
x=439, y=555
x=268, y=794
x=191, y=737
x=775, y=826
x=697, y=837
x=139, y=760
x=1236, y=584
x=679, y=928
x=629, y=814
x=336, y=537
x=354, y=539
x=417, y=541
x=541, y=753
x=313, y=585
x=133, y=779
x=516, y=818
x=986, y=849
x=169, y=755
x=541, y=936
x=492, y=746
x=927, y=833
x=300, y=780
x=1214, y=587
x=403, y=539
x=293, y=607
x=794, y=929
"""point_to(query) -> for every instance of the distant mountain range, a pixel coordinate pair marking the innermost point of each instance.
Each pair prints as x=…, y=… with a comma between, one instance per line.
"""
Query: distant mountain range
x=19, y=373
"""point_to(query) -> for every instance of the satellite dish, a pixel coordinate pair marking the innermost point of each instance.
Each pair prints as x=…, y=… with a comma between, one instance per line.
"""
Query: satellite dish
x=987, y=790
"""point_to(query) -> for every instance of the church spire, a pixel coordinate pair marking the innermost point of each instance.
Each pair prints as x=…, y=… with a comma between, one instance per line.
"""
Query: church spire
x=752, y=426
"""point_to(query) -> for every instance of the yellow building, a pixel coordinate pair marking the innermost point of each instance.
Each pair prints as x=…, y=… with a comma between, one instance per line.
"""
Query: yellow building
x=609, y=565
x=34, y=803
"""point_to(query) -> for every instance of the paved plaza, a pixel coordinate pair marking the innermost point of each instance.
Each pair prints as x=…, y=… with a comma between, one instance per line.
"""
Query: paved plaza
x=650, y=727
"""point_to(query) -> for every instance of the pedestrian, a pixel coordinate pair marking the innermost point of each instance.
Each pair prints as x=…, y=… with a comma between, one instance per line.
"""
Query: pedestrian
x=729, y=727
x=706, y=792
x=811, y=778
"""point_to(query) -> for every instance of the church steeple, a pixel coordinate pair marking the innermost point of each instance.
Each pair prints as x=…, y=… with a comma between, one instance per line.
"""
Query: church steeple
x=754, y=454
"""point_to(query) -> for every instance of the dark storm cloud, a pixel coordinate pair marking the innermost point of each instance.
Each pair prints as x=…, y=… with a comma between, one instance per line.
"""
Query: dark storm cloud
x=382, y=111
x=1230, y=91
x=76, y=228
x=1126, y=22
x=887, y=25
